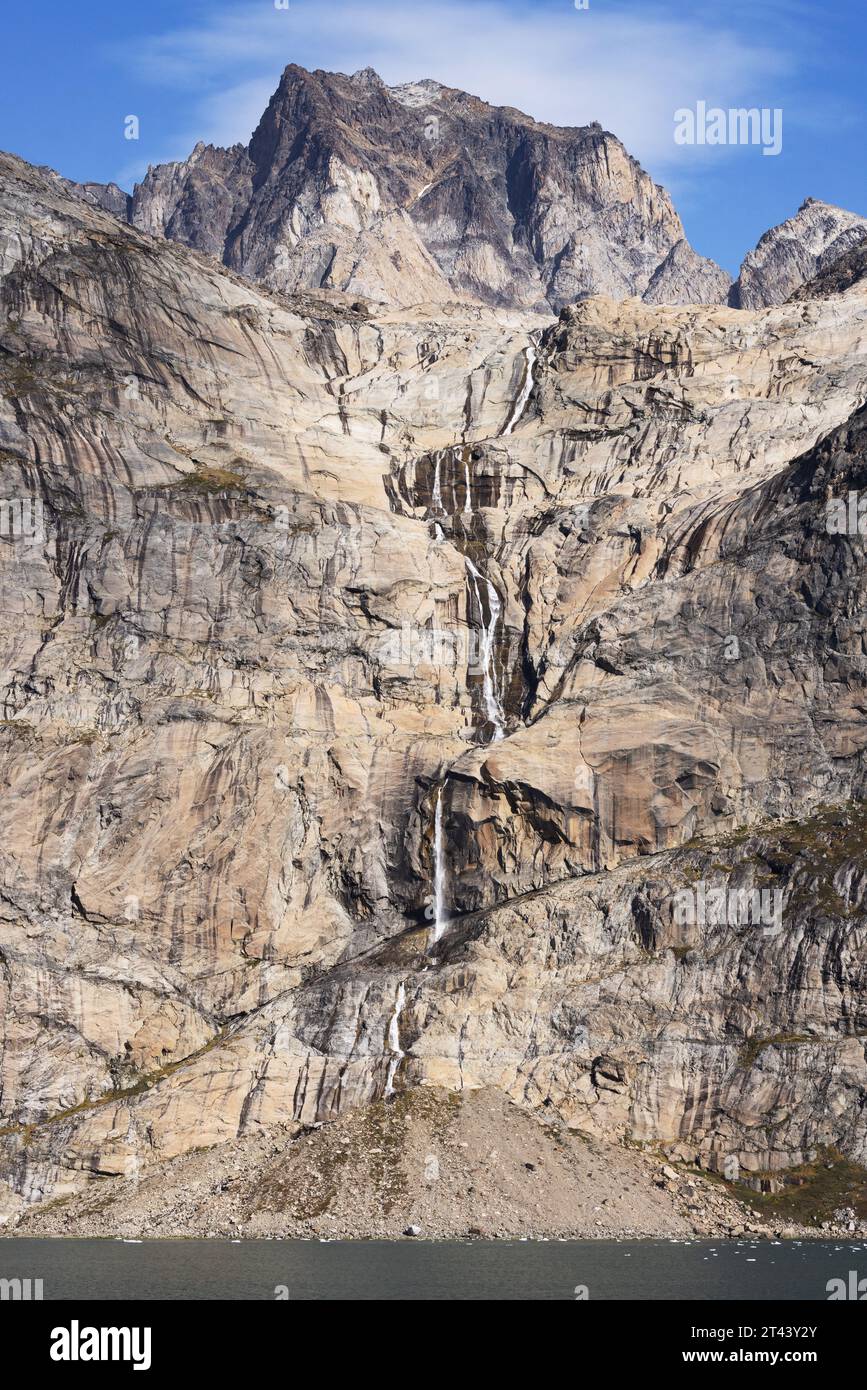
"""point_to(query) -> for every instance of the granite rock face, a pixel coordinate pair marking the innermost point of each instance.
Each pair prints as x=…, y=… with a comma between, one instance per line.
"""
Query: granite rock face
x=838, y=276
x=685, y=277
x=99, y=195
x=421, y=193
x=397, y=697
x=789, y=256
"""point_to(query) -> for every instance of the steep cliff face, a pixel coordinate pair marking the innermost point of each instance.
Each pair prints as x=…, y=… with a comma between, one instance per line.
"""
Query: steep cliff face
x=838, y=276
x=418, y=193
x=381, y=687
x=791, y=255
x=684, y=277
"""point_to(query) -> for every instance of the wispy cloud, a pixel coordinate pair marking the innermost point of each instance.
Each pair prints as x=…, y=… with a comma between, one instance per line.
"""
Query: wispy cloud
x=626, y=65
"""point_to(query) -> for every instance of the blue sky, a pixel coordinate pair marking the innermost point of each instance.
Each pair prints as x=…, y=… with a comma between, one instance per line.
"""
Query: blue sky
x=203, y=69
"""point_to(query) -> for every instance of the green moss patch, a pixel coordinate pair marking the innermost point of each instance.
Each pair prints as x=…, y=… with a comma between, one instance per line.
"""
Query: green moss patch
x=754, y=1046
x=810, y=1194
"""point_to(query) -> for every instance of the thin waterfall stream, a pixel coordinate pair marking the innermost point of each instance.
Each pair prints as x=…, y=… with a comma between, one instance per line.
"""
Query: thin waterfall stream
x=486, y=601
x=439, y=883
x=393, y=1041
x=488, y=631
x=531, y=357
x=436, y=494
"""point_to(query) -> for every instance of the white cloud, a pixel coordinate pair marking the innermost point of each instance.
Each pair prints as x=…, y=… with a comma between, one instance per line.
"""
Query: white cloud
x=231, y=115
x=629, y=69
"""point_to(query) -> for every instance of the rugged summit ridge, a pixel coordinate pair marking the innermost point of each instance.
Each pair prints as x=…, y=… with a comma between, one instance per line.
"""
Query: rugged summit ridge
x=421, y=192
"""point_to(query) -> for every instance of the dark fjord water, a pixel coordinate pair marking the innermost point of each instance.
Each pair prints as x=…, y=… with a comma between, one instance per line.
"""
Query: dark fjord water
x=509, y=1270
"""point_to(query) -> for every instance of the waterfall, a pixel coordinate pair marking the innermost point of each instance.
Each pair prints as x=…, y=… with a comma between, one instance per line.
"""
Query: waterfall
x=437, y=496
x=455, y=456
x=530, y=358
x=493, y=708
x=439, y=871
x=393, y=1041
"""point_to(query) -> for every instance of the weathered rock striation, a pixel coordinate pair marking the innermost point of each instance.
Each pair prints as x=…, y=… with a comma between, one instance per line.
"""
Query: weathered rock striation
x=380, y=683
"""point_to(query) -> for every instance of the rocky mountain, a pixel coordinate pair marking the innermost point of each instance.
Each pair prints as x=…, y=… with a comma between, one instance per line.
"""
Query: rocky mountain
x=441, y=698
x=684, y=277
x=792, y=254
x=107, y=196
x=422, y=192
x=838, y=276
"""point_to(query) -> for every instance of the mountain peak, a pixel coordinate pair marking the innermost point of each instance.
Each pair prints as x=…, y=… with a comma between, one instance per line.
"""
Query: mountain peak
x=795, y=252
x=400, y=194
x=368, y=77
x=418, y=93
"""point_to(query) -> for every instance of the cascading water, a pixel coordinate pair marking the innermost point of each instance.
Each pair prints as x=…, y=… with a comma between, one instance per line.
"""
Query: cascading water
x=439, y=872
x=488, y=630
x=393, y=1041
x=437, y=496
x=531, y=358
x=490, y=610
x=468, y=504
